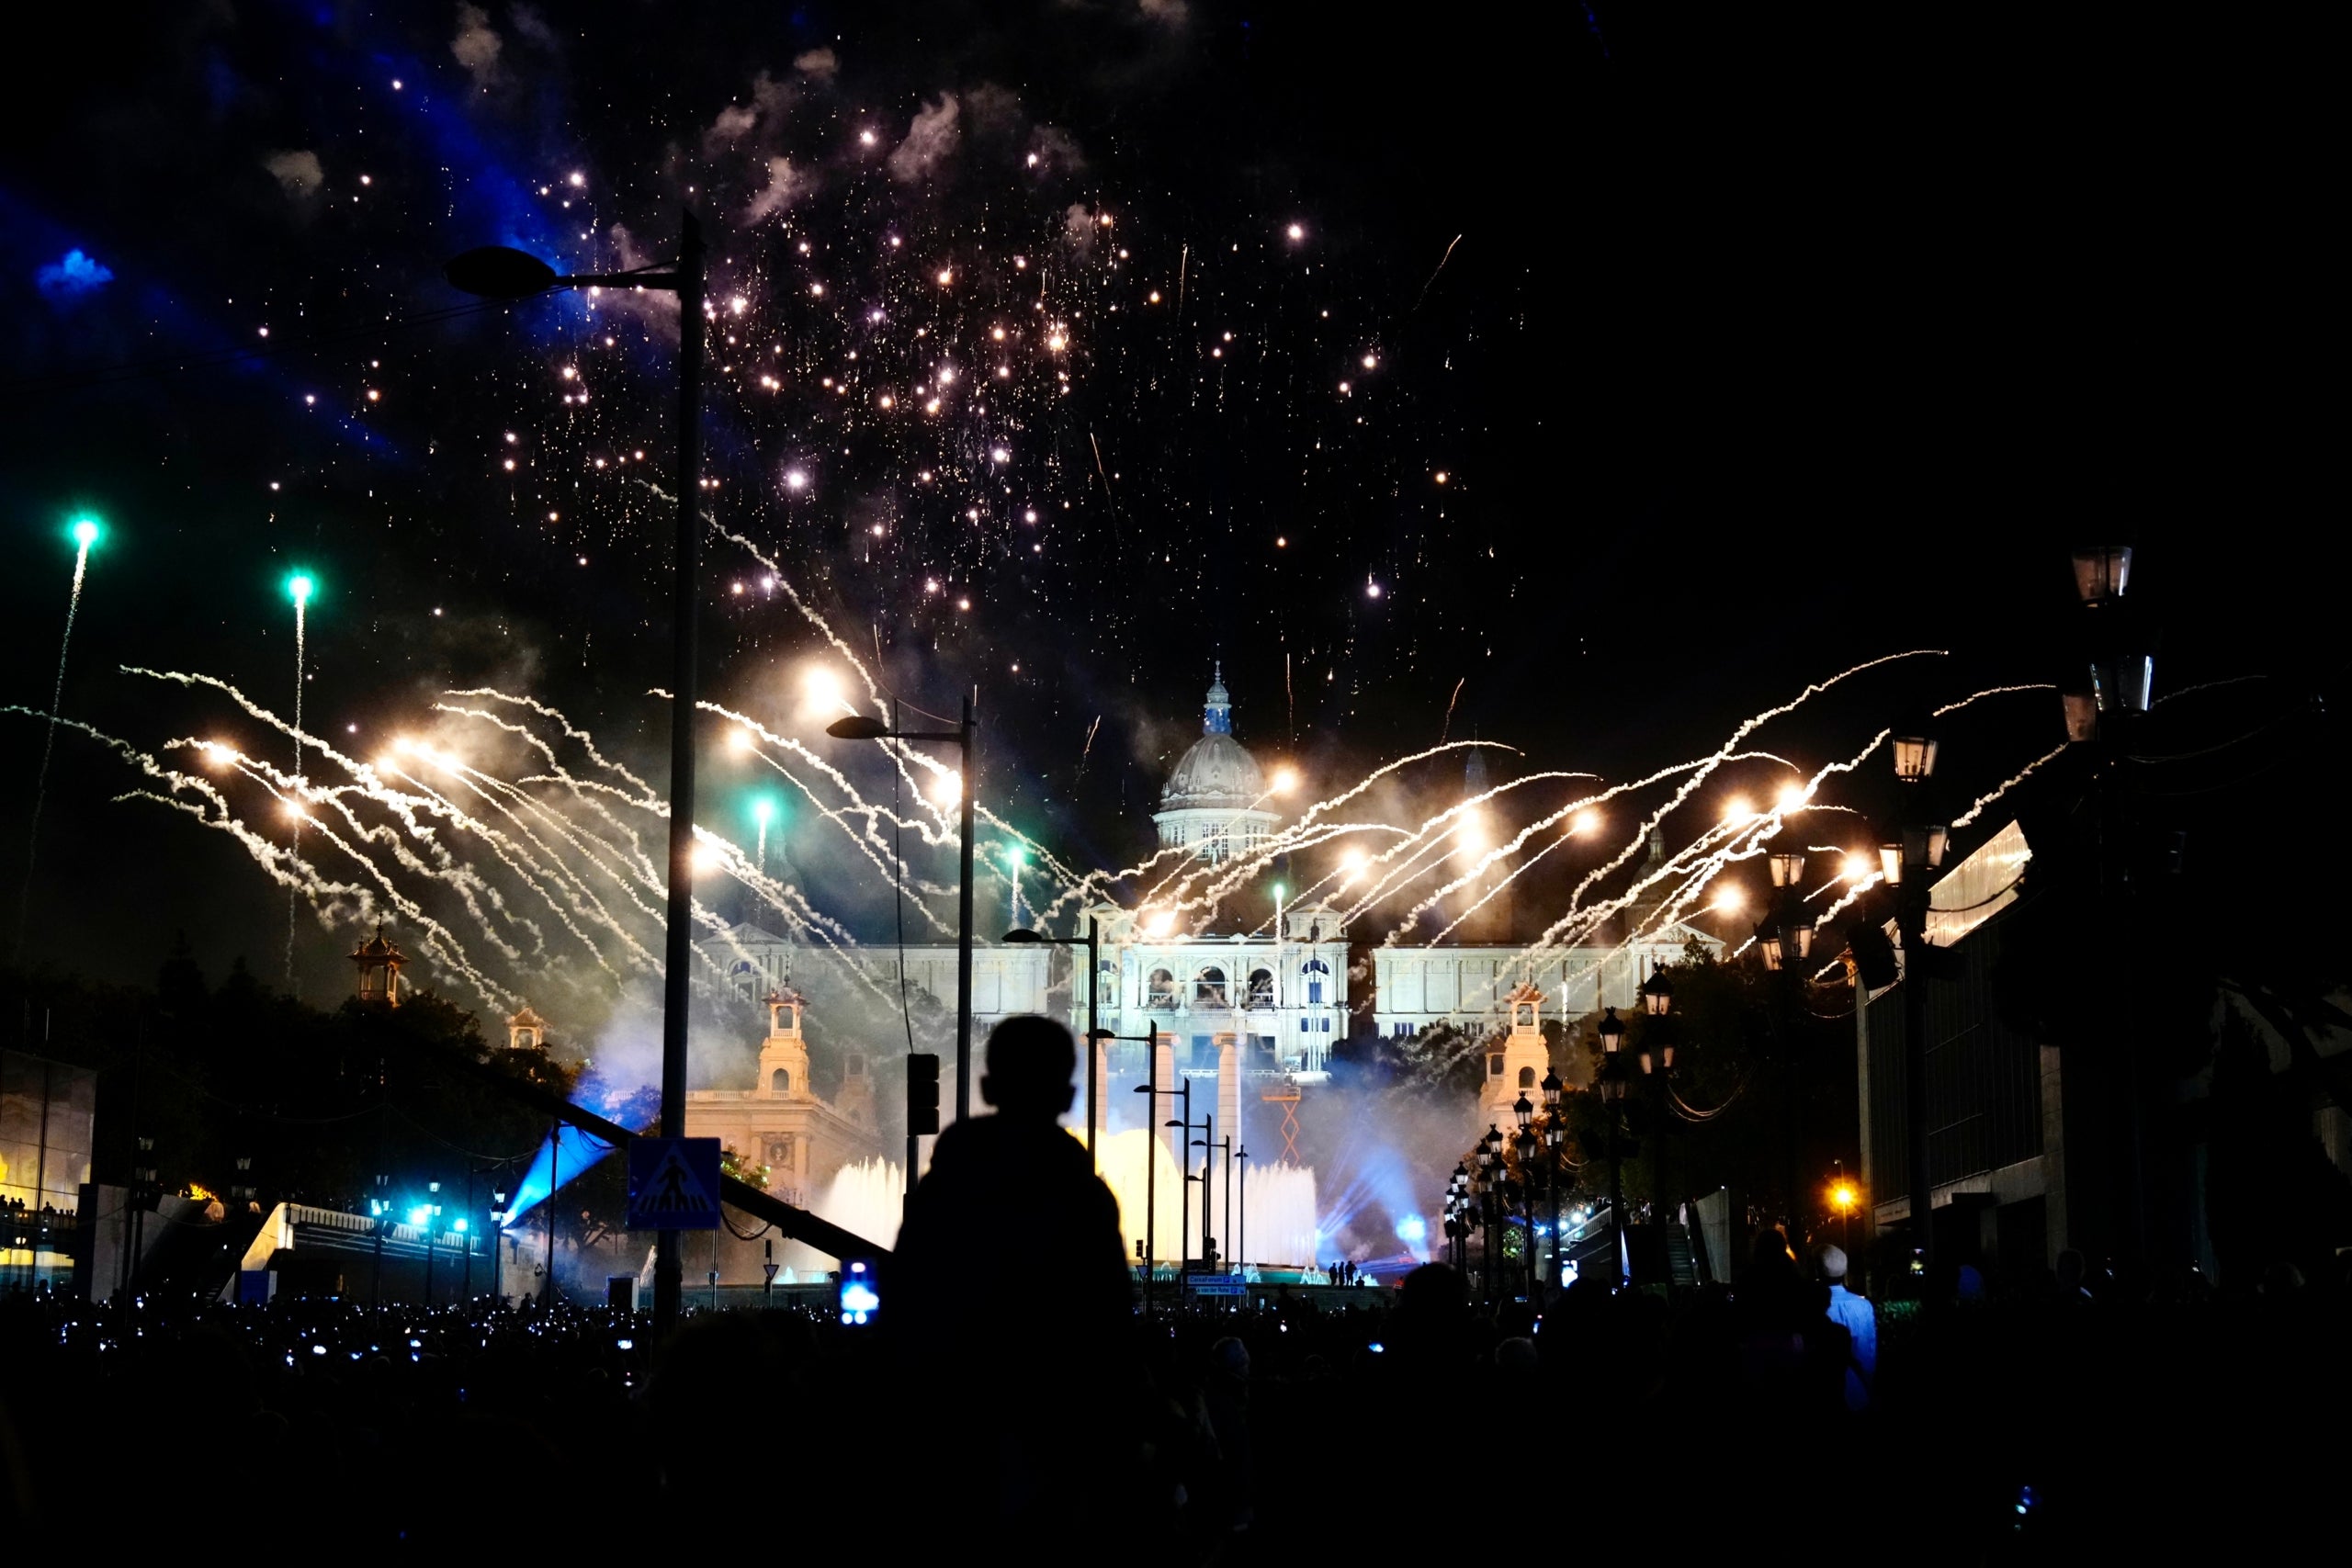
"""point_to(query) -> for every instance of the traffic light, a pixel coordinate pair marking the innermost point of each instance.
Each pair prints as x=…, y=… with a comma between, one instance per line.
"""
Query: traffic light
x=922, y=1093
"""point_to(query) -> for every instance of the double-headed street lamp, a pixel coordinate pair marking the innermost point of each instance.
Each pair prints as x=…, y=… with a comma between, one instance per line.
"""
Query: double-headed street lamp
x=1906, y=854
x=1091, y=943
x=1656, y=1058
x=1785, y=938
x=858, y=727
x=497, y=272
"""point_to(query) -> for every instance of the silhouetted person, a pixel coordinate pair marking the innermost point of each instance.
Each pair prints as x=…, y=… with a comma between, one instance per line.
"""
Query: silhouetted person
x=1008, y=1298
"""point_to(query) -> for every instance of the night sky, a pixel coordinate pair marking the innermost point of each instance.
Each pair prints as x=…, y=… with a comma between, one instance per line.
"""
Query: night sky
x=1617, y=372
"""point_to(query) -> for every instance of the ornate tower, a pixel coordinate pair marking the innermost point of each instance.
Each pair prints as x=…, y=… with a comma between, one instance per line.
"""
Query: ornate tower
x=526, y=1030
x=1516, y=1064
x=784, y=1055
x=379, y=969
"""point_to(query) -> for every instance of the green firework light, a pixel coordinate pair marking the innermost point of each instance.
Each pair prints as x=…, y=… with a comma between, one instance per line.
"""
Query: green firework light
x=85, y=532
x=301, y=586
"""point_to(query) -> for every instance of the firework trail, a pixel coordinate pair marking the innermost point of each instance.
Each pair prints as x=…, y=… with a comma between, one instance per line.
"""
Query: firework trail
x=1446, y=727
x=1976, y=807
x=1440, y=267
x=86, y=533
x=1993, y=691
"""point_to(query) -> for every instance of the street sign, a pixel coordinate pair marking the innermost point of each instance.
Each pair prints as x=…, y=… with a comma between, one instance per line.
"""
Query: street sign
x=673, y=1184
x=1220, y=1286
x=767, y=1270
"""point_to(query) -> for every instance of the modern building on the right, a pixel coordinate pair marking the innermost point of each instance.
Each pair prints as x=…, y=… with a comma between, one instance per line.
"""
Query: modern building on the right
x=1993, y=1158
x=2083, y=1095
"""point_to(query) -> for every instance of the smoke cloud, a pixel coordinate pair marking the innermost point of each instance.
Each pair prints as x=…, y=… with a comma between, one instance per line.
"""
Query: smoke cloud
x=930, y=140
x=785, y=185
x=476, y=45
x=297, y=174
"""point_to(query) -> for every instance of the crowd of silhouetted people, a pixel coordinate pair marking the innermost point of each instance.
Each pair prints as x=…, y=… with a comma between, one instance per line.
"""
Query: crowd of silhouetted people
x=1012, y=1397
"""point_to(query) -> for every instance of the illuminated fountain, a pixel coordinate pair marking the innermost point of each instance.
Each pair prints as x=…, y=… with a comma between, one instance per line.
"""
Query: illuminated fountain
x=867, y=1198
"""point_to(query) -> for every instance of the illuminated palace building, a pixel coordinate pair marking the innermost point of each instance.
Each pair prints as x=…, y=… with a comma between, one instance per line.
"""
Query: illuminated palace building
x=1263, y=1005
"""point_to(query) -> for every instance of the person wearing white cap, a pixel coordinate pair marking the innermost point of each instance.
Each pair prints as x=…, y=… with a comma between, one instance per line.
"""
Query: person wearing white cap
x=1860, y=1320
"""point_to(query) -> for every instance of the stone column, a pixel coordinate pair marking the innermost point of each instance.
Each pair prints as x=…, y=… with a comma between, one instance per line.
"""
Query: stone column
x=1103, y=1100
x=1228, y=1089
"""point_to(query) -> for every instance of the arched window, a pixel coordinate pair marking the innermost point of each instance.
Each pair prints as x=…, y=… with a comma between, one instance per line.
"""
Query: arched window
x=1315, y=970
x=1262, y=987
x=780, y=1081
x=1527, y=1078
x=1494, y=1065
x=1208, y=988
x=1160, y=991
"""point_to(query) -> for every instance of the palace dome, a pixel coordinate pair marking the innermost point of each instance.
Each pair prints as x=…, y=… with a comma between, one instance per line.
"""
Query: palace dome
x=1217, y=774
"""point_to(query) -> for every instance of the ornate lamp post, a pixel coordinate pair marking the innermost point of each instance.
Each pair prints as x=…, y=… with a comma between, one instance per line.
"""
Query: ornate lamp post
x=1785, y=938
x=1612, y=1094
x=1530, y=1148
x=1488, y=1181
x=1555, y=1134
x=1917, y=848
x=1656, y=1057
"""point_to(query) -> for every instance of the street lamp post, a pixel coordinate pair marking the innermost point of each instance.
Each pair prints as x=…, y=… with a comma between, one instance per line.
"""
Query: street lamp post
x=1612, y=1094
x=497, y=272
x=1527, y=1144
x=1184, y=1194
x=1555, y=1134
x=1657, y=1066
x=1914, y=850
x=430, y=1210
x=1150, y=1085
x=497, y=1228
x=1207, y=1144
x=1091, y=942
x=858, y=727
x=380, y=1209
x=1241, y=1237
x=1785, y=938
x=1489, y=1185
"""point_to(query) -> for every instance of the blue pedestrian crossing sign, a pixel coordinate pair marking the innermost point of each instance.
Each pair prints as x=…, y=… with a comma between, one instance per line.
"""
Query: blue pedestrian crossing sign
x=673, y=1184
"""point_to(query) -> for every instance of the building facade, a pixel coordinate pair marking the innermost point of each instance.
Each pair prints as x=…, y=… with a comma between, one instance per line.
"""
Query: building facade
x=779, y=1124
x=1271, y=1001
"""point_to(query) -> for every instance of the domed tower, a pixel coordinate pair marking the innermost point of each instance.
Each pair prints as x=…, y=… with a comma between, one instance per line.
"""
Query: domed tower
x=379, y=963
x=1212, y=805
x=526, y=1030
